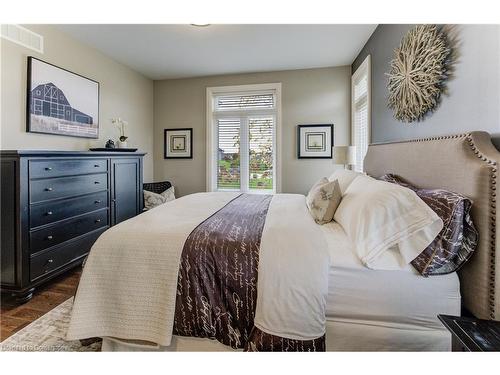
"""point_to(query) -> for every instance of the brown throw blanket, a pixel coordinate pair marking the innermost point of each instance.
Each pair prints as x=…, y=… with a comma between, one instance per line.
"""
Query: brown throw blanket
x=217, y=283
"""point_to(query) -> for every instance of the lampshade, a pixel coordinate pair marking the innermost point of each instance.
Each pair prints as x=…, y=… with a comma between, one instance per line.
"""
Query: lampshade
x=344, y=155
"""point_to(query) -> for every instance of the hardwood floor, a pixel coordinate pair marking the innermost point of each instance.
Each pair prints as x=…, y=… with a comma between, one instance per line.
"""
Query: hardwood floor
x=13, y=317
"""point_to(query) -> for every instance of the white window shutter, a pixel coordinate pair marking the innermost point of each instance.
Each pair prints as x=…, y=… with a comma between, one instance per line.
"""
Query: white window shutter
x=361, y=112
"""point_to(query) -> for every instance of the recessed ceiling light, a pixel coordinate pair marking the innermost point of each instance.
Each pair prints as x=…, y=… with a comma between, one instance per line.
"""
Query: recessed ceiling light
x=200, y=24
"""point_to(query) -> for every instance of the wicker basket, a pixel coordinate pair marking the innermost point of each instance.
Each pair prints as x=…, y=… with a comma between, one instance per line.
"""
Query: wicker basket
x=157, y=187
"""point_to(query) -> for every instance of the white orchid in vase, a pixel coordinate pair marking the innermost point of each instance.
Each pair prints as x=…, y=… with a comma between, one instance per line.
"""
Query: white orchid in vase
x=121, y=127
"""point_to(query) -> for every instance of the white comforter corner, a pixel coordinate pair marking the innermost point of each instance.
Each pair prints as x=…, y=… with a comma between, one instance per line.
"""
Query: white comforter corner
x=128, y=286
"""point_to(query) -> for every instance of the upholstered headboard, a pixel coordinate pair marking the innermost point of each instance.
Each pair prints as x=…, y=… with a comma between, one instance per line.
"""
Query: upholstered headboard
x=467, y=164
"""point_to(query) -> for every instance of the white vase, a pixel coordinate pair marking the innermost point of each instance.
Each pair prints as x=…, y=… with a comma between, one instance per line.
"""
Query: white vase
x=122, y=144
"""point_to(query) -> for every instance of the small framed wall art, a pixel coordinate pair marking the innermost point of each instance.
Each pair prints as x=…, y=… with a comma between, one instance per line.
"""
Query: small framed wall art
x=178, y=143
x=61, y=102
x=314, y=141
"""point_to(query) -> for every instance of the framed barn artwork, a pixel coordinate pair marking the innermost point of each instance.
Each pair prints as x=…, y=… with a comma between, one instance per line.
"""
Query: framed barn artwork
x=178, y=143
x=314, y=141
x=61, y=102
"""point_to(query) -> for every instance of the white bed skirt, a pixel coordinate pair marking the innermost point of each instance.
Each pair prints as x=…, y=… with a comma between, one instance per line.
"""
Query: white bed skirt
x=369, y=336
x=340, y=336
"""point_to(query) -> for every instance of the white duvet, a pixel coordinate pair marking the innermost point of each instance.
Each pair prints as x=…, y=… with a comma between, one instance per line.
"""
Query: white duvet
x=128, y=287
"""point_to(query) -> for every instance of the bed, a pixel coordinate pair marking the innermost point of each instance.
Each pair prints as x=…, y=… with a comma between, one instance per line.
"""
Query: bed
x=359, y=309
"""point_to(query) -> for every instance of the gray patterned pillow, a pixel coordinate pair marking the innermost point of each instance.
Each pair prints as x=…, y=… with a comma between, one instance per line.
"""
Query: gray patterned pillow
x=458, y=239
x=169, y=194
x=323, y=200
x=152, y=200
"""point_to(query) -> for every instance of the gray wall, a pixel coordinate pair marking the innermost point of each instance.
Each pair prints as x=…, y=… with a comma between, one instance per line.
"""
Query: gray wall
x=123, y=93
x=310, y=96
x=473, y=98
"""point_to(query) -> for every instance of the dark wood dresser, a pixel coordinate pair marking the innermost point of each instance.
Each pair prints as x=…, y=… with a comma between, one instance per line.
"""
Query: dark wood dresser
x=55, y=204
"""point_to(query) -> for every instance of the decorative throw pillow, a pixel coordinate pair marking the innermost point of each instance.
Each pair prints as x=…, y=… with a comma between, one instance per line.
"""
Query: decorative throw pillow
x=323, y=199
x=169, y=194
x=458, y=239
x=152, y=200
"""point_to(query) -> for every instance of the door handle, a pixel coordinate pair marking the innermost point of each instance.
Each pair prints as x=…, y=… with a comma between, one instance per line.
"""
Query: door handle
x=96, y=182
x=48, y=189
x=98, y=221
x=49, y=213
x=97, y=201
x=48, y=168
x=50, y=237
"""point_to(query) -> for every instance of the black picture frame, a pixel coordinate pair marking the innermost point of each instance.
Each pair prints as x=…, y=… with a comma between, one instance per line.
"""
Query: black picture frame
x=166, y=144
x=300, y=140
x=74, y=111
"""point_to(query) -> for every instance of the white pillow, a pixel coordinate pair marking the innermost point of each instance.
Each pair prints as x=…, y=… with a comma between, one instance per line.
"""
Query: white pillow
x=389, y=225
x=152, y=200
x=345, y=177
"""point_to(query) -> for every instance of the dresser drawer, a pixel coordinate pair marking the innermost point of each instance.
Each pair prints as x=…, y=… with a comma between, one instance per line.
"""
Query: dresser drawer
x=66, y=167
x=59, y=256
x=52, y=188
x=49, y=212
x=57, y=233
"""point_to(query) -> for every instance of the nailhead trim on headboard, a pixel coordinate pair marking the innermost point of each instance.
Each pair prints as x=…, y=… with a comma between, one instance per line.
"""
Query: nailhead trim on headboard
x=454, y=136
x=492, y=206
x=493, y=183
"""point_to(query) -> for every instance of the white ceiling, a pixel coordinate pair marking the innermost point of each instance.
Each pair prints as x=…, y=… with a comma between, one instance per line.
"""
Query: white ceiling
x=178, y=51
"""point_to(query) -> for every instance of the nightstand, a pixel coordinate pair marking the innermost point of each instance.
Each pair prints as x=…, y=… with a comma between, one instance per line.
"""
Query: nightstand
x=471, y=334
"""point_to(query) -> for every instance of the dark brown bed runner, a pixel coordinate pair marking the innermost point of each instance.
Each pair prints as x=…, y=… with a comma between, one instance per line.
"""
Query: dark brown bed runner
x=217, y=284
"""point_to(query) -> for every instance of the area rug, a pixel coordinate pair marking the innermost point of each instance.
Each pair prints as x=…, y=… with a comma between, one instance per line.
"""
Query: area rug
x=47, y=334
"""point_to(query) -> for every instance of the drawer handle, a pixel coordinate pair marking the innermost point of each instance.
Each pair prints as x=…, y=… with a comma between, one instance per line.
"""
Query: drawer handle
x=48, y=168
x=50, y=237
x=49, y=213
x=96, y=165
x=96, y=182
x=98, y=221
x=48, y=189
x=98, y=201
x=47, y=264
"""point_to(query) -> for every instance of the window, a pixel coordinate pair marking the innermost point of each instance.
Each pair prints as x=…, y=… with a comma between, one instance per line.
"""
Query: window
x=361, y=102
x=243, y=127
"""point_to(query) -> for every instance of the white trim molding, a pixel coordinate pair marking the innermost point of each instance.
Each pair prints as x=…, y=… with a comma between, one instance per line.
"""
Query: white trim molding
x=211, y=184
